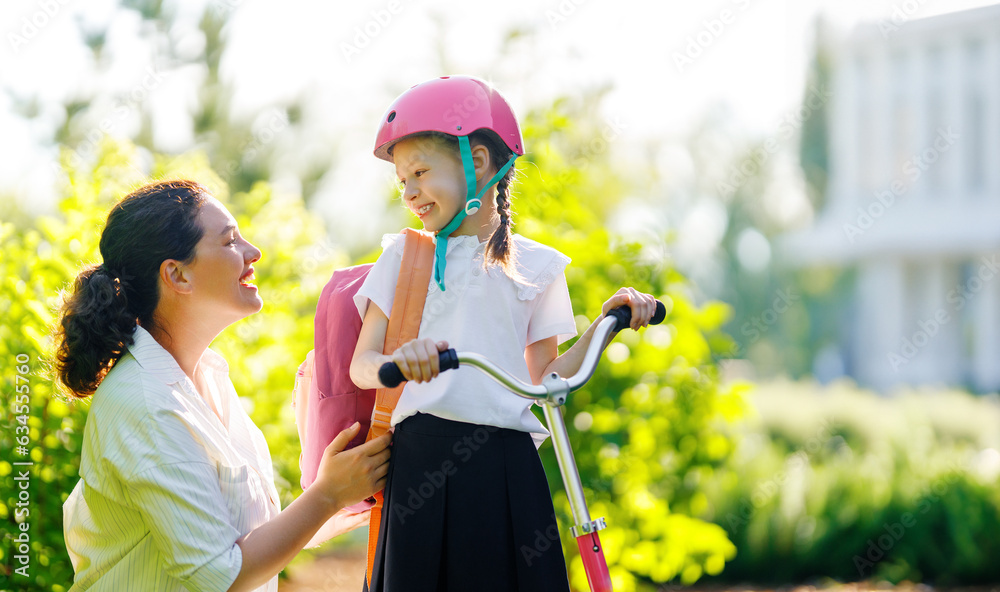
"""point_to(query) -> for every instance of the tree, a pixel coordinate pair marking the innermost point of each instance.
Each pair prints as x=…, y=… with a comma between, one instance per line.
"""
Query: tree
x=644, y=429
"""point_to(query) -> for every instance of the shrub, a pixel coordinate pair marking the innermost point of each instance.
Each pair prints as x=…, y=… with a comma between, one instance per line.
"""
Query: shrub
x=842, y=483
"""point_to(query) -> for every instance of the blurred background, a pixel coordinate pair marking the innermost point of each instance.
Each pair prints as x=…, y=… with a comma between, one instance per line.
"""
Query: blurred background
x=808, y=185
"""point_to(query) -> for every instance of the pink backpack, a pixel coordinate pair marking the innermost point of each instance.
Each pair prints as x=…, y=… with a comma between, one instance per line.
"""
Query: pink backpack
x=326, y=400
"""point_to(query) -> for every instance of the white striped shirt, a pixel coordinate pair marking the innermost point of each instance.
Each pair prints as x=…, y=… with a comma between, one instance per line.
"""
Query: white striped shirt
x=166, y=488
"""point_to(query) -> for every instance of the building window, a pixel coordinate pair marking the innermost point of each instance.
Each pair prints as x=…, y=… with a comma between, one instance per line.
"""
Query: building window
x=960, y=300
x=901, y=131
x=973, y=133
x=862, y=101
x=914, y=296
x=935, y=117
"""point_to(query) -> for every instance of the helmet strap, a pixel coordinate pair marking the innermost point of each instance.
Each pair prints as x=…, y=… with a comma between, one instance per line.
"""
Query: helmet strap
x=473, y=201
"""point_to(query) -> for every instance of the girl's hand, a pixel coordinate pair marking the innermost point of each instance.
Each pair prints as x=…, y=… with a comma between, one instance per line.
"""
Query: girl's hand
x=643, y=306
x=418, y=359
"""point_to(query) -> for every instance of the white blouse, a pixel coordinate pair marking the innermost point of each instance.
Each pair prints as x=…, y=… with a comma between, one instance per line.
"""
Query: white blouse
x=486, y=312
x=166, y=488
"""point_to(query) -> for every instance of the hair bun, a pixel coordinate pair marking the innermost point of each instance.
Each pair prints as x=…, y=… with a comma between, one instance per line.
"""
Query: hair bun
x=113, y=289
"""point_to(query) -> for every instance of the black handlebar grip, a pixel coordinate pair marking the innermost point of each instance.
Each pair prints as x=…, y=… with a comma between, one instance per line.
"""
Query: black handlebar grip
x=390, y=375
x=624, y=316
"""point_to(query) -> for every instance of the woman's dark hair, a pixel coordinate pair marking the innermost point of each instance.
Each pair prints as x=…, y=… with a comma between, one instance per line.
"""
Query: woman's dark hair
x=150, y=225
x=500, y=247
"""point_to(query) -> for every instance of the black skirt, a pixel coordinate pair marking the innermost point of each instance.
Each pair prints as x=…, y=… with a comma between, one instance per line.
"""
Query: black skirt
x=467, y=507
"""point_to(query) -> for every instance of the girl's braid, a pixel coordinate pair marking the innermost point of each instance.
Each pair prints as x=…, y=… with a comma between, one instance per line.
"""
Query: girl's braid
x=498, y=249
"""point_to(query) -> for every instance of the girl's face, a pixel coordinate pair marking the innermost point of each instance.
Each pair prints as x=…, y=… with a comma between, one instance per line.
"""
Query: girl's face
x=222, y=270
x=433, y=184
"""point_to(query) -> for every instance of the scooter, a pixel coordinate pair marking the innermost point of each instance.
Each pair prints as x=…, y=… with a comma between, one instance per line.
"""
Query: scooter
x=551, y=395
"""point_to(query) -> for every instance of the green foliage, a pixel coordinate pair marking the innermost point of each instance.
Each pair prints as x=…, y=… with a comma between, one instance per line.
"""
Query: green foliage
x=645, y=430
x=842, y=483
x=240, y=149
x=36, y=263
x=766, y=197
x=814, y=141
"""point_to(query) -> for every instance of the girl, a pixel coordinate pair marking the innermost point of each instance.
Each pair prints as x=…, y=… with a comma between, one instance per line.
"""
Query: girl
x=466, y=503
x=176, y=489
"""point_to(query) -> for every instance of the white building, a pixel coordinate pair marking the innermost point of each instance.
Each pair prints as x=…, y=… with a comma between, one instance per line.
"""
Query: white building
x=913, y=201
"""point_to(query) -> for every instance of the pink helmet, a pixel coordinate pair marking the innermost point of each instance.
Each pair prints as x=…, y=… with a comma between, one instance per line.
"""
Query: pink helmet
x=454, y=105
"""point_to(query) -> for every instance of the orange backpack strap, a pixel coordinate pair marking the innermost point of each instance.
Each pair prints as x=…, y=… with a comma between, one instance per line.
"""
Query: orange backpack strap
x=404, y=325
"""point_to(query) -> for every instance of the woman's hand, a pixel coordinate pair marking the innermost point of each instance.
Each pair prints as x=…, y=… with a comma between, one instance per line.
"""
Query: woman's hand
x=418, y=359
x=643, y=306
x=345, y=521
x=346, y=477
x=342, y=522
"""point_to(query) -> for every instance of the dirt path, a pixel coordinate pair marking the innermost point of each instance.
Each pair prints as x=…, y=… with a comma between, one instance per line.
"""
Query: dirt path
x=344, y=572
x=337, y=572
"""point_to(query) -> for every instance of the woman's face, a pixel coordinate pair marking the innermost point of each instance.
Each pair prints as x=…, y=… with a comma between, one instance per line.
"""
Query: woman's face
x=222, y=270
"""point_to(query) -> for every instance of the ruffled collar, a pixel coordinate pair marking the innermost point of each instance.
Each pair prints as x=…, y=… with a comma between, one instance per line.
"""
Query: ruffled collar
x=538, y=264
x=468, y=241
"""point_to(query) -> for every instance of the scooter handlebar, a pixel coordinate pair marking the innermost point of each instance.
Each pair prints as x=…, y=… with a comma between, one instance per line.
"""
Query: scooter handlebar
x=391, y=376
x=624, y=316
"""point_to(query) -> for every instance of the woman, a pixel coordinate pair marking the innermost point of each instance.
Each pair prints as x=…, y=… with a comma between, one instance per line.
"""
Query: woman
x=176, y=488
